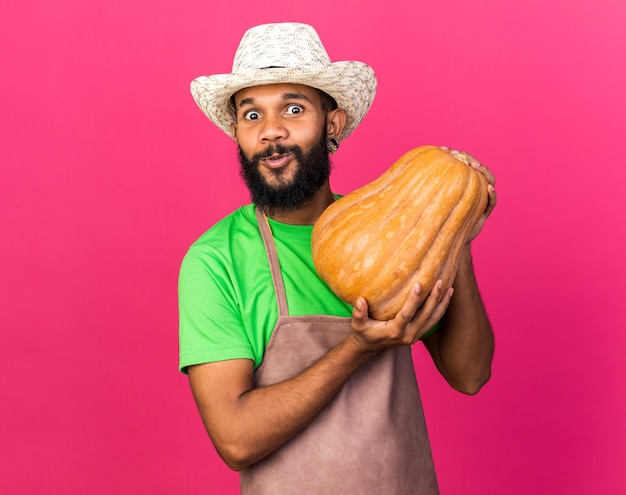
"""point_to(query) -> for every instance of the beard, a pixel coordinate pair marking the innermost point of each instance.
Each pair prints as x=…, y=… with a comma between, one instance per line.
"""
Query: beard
x=312, y=172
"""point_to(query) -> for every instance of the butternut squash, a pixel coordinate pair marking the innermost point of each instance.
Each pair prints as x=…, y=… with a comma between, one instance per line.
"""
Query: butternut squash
x=407, y=226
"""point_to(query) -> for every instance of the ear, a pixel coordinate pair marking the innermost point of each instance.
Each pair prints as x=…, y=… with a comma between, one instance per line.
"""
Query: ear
x=233, y=131
x=335, y=122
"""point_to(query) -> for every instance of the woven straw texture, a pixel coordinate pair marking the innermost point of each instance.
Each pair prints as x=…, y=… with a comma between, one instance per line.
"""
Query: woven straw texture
x=287, y=53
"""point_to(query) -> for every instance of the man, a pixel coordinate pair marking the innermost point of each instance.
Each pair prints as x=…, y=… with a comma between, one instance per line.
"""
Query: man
x=296, y=389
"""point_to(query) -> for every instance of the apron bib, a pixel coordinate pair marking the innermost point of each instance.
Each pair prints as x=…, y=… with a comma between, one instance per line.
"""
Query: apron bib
x=371, y=438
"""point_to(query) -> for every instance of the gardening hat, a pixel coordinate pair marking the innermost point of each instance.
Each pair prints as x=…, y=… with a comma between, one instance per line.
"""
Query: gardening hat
x=286, y=53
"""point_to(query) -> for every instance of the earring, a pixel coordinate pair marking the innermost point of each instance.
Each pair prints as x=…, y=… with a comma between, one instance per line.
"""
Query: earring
x=333, y=145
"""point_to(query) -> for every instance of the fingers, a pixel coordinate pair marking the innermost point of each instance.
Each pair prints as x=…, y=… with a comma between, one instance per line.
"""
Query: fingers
x=416, y=320
x=431, y=311
x=433, y=316
x=474, y=163
x=408, y=311
x=491, y=179
x=360, y=312
x=492, y=199
x=416, y=317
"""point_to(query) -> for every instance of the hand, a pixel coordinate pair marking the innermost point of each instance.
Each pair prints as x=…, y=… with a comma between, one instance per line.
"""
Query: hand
x=409, y=325
x=491, y=182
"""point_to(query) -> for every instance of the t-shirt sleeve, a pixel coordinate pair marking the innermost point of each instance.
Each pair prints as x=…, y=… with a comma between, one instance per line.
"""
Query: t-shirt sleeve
x=210, y=326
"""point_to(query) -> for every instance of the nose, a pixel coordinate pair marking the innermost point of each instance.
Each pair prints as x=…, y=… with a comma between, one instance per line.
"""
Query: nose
x=273, y=129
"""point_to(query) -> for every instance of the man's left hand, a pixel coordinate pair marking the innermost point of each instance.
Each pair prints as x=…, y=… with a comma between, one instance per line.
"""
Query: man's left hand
x=491, y=182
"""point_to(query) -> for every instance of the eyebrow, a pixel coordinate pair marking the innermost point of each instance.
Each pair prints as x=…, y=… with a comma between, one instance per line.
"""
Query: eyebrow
x=284, y=96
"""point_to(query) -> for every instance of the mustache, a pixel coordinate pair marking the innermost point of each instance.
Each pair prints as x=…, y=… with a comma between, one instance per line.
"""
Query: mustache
x=276, y=149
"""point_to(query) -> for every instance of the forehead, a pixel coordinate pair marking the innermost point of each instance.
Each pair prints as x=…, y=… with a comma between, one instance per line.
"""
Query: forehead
x=277, y=92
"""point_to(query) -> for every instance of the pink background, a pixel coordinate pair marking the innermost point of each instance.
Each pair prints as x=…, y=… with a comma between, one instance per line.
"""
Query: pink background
x=108, y=171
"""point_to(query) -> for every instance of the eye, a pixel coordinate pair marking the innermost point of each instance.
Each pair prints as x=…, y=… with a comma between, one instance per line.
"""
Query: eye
x=252, y=115
x=294, y=109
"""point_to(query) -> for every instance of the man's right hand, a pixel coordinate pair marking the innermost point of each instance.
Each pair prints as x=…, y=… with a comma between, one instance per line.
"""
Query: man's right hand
x=412, y=321
x=241, y=420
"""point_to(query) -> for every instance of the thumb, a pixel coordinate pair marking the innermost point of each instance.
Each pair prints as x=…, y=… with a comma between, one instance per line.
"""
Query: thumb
x=360, y=310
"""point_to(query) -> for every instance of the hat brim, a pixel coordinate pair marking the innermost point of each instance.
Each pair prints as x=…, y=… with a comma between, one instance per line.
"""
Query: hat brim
x=352, y=84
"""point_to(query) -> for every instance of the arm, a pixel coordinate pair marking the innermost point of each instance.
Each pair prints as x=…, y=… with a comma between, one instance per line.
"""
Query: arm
x=463, y=348
x=246, y=423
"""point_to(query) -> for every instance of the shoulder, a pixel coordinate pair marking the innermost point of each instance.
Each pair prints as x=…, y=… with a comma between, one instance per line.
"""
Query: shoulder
x=224, y=242
x=242, y=220
x=232, y=229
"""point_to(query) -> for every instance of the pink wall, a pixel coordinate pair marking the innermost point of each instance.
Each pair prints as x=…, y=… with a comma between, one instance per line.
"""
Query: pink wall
x=108, y=172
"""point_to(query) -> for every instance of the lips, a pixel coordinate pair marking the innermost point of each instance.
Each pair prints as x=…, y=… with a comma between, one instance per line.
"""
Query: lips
x=277, y=160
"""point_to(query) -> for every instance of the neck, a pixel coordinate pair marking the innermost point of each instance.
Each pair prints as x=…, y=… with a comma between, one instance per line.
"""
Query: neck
x=309, y=212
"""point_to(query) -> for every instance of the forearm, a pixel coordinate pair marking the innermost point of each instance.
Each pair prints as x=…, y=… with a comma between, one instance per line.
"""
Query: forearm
x=261, y=420
x=247, y=423
x=463, y=348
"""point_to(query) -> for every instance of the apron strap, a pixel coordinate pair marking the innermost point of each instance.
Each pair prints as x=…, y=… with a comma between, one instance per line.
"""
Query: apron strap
x=272, y=256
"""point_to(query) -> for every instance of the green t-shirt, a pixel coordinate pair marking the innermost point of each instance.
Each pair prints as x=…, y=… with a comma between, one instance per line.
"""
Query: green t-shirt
x=227, y=304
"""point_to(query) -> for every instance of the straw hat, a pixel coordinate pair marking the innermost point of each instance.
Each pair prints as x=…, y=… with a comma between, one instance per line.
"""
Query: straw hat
x=287, y=53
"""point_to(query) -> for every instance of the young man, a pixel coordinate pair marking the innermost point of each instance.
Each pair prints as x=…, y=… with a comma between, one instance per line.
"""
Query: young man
x=296, y=389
